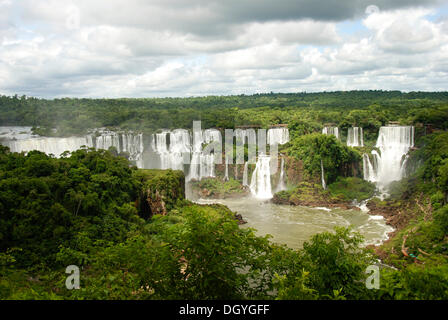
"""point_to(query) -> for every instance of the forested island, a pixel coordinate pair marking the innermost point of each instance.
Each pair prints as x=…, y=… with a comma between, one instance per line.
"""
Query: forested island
x=97, y=183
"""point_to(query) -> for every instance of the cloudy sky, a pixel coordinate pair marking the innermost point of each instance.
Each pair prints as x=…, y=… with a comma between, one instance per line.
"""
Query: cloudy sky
x=157, y=48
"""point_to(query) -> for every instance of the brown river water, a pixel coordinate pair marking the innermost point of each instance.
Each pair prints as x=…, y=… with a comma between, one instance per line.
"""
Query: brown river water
x=293, y=225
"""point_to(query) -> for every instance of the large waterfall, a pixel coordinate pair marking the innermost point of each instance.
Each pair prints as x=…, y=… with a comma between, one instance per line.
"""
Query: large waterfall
x=131, y=143
x=177, y=149
x=260, y=185
x=331, y=131
x=102, y=139
x=279, y=135
x=202, y=165
x=355, y=137
x=394, y=143
x=172, y=153
x=55, y=146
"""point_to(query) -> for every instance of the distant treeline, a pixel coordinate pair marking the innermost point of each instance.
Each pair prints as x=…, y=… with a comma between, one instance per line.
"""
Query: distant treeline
x=368, y=109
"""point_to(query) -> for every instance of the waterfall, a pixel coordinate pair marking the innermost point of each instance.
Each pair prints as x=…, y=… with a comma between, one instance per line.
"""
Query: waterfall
x=278, y=135
x=324, y=185
x=172, y=155
x=331, y=131
x=369, y=170
x=226, y=174
x=54, y=146
x=203, y=165
x=246, y=165
x=281, y=183
x=355, y=137
x=168, y=149
x=260, y=185
x=124, y=142
x=107, y=140
x=394, y=143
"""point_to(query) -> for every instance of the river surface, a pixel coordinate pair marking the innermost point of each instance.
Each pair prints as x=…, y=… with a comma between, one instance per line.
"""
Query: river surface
x=293, y=225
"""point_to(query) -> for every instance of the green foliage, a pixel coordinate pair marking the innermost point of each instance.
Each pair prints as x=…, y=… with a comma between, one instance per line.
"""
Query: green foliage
x=169, y=185
x=304, y=194
x=300, y=127
x=47, y=203
x=368, y=109
x=294, y=289
x=84, y=208
x=433, y=155
x=352, y=188
x=216, y=187
x=337, y=159
x=415, y=282
x=336, y=261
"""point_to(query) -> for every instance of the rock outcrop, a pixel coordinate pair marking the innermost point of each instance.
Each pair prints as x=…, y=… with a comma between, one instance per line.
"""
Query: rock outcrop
x=160, y=191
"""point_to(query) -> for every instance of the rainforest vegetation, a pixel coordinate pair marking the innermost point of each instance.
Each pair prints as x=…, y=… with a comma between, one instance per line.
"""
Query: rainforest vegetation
x=135, y=236
x=304, y=112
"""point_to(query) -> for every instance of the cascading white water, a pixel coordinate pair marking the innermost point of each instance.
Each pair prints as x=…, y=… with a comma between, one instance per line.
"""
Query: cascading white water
x=107, y=140
x=355, y=137
x=260, y=185
x=331, y=131
x=281, y=183
x=394, y=143
x=324, y=185
x=368, y=169
x=226, y=174
x=55, y=146
x=124, y=142
x=162, y=153
x=202, y=165
x=278, y=135
x=245, y=173
x=172, y=156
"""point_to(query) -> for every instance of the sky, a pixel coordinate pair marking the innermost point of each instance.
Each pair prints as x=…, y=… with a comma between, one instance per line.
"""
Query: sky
x=182, y=48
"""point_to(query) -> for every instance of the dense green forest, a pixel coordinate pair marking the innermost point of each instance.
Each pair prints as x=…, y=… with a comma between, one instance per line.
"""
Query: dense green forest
x=84, y=209
x=304, y=111
x=135, y=236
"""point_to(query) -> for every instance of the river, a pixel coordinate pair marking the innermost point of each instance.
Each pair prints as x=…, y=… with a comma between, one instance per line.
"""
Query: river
x=293, y=225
